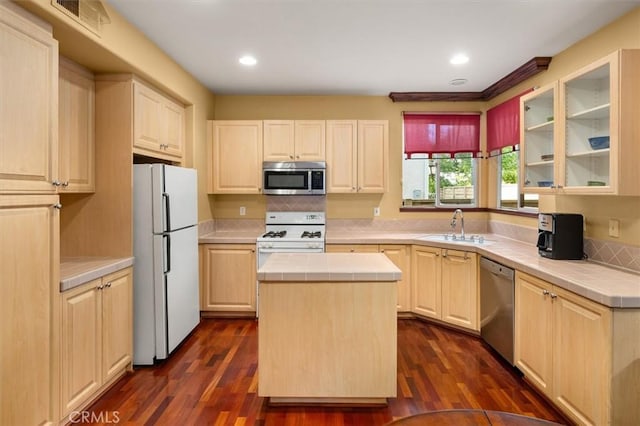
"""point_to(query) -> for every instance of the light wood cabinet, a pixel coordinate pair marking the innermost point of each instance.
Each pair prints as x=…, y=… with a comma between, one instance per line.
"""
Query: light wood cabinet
x=29, y=274
x=538, y=118
x=426, y=273
x=400, y=255
x=578, y=352
x=97, y=339
x=373, y=156
x=159, y=124
x=357, y=156
x=228, y=278
x=599, y=100
x=28, y=103
x=234, y=157
x=294, y=140
x=76, y=130
x=445, y=285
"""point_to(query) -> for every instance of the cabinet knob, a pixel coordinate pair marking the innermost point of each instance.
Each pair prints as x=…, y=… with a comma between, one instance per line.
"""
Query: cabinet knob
x=65, y=183
x=291, y=157
x=545, y=292
x=352, y=250
x=108, y=284
x=56, y=183
x=381, y=250
x=57, y=206
x=100, y=287
x=553, y=295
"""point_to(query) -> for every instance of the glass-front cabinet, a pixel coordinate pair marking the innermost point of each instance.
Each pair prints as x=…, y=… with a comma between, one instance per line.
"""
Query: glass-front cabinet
x=589, y=126
x=537, y=135
x=582, y=136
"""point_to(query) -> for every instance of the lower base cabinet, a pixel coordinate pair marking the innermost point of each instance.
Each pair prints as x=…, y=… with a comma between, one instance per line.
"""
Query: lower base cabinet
x=97, y=338
x=582, y=355
x=399, y=254
x=444, y=285
x=228, y=278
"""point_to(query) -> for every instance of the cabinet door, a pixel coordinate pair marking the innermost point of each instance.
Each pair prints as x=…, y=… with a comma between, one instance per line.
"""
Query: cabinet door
x=538, y=118
x=229, y=278
x=581, y=358
x=279, y=140
x=147, y=122
x=601, y=100
x=29, y=278
x=76, y=128
x=460, y=289
x=309, y=137
x=173, y=130
x=400, y=255
x=533, y=331
x=342, y=156
x=81, y=345
x=28, y=103
x=117, y=323
x=235, y=157
x=425, y=281
x=373, y=156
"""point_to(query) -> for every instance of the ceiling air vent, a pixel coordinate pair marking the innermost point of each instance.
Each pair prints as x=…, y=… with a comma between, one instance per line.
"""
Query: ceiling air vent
x=89, y=13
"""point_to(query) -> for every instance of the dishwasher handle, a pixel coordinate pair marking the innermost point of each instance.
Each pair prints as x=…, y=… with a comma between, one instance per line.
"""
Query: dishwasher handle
x=496, y=268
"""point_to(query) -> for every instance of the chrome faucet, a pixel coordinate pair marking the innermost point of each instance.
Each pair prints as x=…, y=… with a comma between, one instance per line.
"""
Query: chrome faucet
x=454, y=221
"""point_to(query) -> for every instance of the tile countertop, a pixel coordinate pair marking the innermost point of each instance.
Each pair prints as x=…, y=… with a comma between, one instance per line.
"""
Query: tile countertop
x=608, y=286
x=75, y=271
x=349, y=267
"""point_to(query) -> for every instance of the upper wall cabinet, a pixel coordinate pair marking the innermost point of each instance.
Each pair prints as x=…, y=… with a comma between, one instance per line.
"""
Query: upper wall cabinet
x=588, y=143
x=159, y=124
x=537, y=135
x=76, y=112
x=598, y=139
x=357, y=156
x=28, y=103
x=234, y=157
x=294, y=140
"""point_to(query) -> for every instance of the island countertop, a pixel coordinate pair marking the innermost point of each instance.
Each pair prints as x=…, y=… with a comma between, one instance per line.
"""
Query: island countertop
x=328, y=267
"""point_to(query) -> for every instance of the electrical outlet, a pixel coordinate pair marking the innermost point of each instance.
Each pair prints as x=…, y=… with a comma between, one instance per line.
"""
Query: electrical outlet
x=243, y=211
x=614, y=228
x=376, y=211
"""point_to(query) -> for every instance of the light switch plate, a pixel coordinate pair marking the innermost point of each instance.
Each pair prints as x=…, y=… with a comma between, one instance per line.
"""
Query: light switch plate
x=243, y=211
x=614, y=228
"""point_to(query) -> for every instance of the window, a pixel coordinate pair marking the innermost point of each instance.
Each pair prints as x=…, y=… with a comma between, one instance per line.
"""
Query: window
x=503, y=136
x=440, y=164
x=509, y=196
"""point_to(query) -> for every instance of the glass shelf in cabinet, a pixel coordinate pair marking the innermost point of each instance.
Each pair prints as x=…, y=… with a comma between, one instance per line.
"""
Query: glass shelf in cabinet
x=594, y=153
x=597, y=112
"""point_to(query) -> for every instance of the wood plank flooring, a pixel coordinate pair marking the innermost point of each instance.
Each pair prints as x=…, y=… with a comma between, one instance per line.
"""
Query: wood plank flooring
x=212, y=380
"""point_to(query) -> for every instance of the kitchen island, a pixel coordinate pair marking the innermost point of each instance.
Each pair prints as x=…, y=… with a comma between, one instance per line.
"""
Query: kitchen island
x=327, y=328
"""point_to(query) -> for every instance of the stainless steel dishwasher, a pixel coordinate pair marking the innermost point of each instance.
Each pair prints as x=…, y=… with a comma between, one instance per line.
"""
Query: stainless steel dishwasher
x=496, y=306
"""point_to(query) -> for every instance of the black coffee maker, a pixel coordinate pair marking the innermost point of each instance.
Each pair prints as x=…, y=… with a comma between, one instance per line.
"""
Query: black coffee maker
x=560, y=236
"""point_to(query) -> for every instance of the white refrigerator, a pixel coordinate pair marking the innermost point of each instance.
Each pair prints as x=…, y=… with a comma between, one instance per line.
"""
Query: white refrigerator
x=165, y=247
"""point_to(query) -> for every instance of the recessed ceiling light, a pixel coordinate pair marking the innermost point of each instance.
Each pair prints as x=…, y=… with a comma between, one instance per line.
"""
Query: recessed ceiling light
x=459, y=59
x=248, y=60
x=458, y=81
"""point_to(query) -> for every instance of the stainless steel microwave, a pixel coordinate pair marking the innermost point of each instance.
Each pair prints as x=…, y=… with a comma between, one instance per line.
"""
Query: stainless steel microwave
x=294, y=177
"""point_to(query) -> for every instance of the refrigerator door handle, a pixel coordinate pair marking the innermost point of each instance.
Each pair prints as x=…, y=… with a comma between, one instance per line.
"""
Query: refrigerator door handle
x=167, y=253
x=167, y=213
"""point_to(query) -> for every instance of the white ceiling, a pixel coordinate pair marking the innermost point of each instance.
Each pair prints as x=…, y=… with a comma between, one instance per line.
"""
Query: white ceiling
x=362, y=47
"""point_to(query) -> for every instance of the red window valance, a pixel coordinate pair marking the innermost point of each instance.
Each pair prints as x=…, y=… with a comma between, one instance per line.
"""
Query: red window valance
x=441, y=134
x=503, y=125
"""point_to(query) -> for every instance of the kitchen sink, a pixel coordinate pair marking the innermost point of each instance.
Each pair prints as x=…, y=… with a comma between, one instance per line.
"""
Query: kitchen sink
x=456, y=239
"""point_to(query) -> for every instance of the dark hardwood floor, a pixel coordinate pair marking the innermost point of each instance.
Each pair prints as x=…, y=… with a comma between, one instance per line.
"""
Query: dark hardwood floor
x=212, y=380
